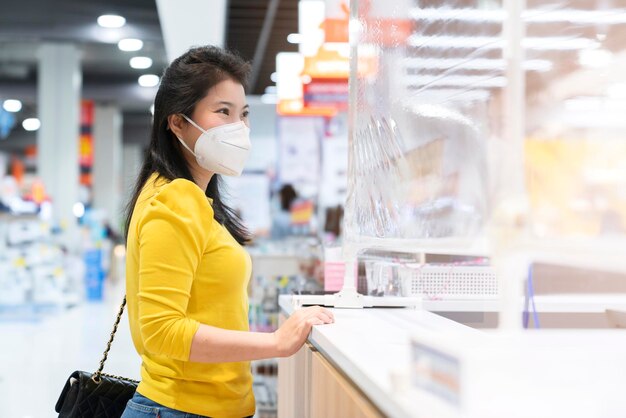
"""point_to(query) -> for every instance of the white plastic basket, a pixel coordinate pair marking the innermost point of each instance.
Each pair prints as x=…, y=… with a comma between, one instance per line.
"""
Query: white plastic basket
x=449, y=281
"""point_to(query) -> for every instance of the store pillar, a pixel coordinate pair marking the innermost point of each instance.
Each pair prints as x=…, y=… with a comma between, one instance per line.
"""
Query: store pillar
x=58, y=99
x=132, y=160
x=107, y=164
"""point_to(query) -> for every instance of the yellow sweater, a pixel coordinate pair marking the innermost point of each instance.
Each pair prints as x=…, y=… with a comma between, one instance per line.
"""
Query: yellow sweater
x=184, y=269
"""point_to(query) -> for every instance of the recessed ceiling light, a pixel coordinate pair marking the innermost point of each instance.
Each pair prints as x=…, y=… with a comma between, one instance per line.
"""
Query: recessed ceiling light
x=111, y=21
x=617, y=91
x=475, y=15
x=595, y=58
x=31, y=124
x=130, y=44
x=476, y=64
x=148, y=80
x=12, y=105
x=294, y=38
x=141, y=63
x=549, y=43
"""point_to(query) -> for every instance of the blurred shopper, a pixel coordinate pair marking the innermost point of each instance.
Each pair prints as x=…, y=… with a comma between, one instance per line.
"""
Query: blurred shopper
x=187, y=272
x=281, y=219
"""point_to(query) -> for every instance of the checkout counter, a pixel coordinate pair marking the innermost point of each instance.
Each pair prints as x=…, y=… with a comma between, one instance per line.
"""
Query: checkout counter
x=414, y=363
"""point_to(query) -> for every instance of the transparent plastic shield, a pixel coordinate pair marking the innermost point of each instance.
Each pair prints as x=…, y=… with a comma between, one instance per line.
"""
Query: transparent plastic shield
x=575, y=138
x=426, y=99
x=575, y=164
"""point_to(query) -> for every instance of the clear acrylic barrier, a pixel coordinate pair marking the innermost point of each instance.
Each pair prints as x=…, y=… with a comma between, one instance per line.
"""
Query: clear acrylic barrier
x=575, y=164
x=575, y=137
x=476, y=134
x=427, y=98
x=497, y=128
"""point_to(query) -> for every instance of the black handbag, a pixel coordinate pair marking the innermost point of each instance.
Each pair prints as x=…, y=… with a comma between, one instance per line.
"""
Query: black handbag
x=96, y=395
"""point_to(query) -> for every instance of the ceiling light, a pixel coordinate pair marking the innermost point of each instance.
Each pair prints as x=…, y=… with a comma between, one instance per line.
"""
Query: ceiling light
x=595, y=58
x=608, y=16
x=11, y=105
x=294, y=38
x=557, y=43
x=442, y=95
x=31, y=124
x=465, y=14
x=443, y=113
x=141, y=63
x=468, y=81
x=148, y=80
x=584, y=104
x=111, y=21
x=617, y=91
x=130, y=44
x=478, y=64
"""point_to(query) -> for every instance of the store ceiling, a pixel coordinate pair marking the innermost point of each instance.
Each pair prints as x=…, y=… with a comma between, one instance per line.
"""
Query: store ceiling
x=551, y=24
x=107, y=76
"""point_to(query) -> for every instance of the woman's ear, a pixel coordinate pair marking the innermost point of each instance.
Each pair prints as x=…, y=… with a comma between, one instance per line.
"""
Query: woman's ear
x=176, y=124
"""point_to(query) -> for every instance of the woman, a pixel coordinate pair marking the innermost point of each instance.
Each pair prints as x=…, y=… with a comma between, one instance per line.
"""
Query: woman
x=281, y=224
x=186, y=269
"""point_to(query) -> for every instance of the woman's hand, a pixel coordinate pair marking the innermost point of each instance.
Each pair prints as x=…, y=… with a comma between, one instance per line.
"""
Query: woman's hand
x=292, y=334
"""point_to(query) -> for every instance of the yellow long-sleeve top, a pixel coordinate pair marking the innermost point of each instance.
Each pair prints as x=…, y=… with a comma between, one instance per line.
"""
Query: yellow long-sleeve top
x=184, y=269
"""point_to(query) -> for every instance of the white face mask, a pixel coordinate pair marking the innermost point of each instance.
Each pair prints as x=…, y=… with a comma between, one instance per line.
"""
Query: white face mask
x=223, y=149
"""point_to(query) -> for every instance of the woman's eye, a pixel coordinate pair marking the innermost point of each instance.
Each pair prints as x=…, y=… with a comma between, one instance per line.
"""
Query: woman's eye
x=224, y=111
x=245, y=114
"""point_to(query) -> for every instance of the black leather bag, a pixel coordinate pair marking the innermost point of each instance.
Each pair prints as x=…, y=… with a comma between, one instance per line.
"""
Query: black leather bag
x=96, y=395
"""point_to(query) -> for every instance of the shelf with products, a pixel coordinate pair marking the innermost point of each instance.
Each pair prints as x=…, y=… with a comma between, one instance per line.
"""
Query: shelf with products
x=37, y=276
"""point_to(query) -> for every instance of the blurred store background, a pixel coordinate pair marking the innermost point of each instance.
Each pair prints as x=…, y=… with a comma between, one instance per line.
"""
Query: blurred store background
x=469, y=153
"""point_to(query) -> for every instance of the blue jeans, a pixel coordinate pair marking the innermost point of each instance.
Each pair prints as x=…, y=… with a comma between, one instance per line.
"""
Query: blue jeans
x=142, y=407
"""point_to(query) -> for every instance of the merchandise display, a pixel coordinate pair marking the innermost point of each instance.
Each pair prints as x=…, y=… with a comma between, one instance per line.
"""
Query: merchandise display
x=36, y=277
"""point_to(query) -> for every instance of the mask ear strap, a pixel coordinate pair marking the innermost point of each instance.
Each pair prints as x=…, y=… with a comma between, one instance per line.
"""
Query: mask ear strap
x=185, y=145
x=193, y=123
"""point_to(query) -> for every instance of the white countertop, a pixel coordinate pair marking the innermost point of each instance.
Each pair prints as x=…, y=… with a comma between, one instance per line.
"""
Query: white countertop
x=370, y=345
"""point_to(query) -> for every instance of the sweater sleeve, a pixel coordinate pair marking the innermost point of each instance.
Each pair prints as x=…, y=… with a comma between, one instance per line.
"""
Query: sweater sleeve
x=173, y=234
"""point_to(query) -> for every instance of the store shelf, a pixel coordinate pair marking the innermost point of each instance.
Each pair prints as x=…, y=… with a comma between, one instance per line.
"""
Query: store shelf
x=556, y=303
x=583, y=303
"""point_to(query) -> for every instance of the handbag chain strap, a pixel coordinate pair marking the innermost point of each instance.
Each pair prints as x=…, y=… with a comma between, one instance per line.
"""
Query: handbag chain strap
x=97, y=376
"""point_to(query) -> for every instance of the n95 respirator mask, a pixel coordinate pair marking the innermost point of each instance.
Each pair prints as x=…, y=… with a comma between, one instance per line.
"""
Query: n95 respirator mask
x=223, y=149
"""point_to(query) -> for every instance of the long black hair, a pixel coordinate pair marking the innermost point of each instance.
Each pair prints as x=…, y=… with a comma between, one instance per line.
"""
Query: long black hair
x=185, y=82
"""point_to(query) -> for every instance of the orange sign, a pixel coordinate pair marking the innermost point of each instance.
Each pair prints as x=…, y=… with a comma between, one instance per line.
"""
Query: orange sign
x=327, y=64
x=336, y=23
